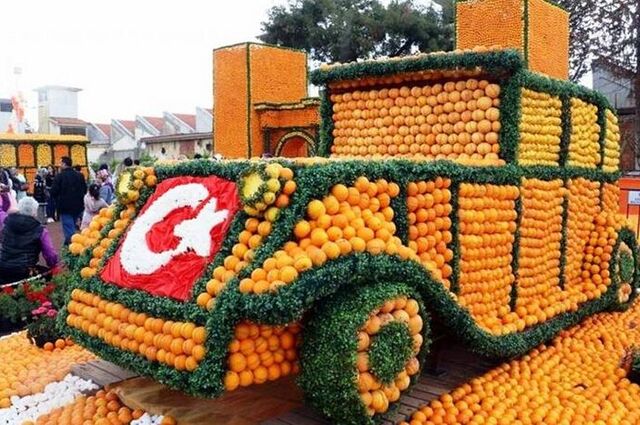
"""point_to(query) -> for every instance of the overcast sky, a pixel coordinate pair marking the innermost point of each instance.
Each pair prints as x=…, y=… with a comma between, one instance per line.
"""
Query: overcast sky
x=129, y=56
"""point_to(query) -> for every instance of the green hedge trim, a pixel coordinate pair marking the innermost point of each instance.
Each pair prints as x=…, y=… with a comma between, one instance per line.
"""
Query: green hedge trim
x=391, y=348
x=326, y=124
x=563, y=239
x=627, y=236
x=493, y=62
x=515, y=254
x=329, y=347
x=455, y=238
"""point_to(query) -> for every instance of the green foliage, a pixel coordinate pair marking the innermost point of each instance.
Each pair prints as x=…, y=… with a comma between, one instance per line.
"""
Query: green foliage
x=329, y=347
x=346, y=30
x=391, y=349
x=15, y=307
x=626, y=267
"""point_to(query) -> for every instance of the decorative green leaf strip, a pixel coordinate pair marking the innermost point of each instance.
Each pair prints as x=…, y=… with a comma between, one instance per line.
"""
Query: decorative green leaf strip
x=391, y=349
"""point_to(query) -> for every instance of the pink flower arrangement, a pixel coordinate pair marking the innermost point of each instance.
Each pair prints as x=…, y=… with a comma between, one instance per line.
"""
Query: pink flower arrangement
x=45, y=309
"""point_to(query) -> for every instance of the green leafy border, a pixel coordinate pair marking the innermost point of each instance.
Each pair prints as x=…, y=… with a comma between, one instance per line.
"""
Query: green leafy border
x=391, y=349
x=328, y=351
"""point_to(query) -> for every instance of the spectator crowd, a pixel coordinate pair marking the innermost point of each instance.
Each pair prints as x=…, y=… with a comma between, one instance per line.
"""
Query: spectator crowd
x=60, y=194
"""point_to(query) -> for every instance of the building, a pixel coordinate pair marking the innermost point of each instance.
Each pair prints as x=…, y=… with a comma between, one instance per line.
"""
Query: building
x=178, y=123
x=123, y=140
x=67, y=126
x=616, y=84
x=56, y=101
x=174, y=146
x=6, y=108
x=148, y=126
x=99, y=136
x=204, y=120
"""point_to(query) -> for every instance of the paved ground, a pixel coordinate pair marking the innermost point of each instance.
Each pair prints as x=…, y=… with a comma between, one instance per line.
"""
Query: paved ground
x=55, y=230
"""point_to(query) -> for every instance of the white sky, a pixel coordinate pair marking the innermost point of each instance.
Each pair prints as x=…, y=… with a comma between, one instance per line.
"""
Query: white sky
x=129, y=56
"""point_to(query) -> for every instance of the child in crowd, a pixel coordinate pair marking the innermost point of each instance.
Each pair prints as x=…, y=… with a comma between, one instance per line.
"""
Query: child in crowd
x=93, y=203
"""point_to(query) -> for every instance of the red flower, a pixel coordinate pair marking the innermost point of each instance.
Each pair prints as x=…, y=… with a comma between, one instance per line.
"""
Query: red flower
x=8, y=290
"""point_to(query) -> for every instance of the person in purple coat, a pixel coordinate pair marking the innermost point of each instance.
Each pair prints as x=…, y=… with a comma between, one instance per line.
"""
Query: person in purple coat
x=23, y=238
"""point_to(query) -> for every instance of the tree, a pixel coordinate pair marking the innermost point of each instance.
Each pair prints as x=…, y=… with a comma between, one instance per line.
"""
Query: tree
x=607, y=31
x=345, y=30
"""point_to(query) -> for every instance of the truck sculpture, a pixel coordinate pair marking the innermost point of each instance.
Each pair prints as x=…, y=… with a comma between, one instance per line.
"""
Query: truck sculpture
x=460, y=187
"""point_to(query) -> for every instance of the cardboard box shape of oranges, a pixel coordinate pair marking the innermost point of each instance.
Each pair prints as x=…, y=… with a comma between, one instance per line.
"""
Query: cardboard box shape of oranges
x=459, y=185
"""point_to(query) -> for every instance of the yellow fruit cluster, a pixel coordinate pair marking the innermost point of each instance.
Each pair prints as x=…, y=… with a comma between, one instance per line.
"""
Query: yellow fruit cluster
x=177, y=344
x=584, y=149
x=256, y=230
x=78, y=155
x=276, y=187
x=487, y=220
x=539, y=254
x=583, y=209
x=103, y=408
x=26, y=369
x=25, y=155
x=611, y=160
x=540, y=128
x=261, y=353
x=350, y=219
x=579, y=378
x=7, y=155
x=611, y=205
x=375, y=395
x=43, y=155
x=429, y=206
x=457, y=120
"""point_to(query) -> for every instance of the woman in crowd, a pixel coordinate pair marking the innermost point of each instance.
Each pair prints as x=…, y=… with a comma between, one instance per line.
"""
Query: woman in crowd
x=103, y=178
x=23, y=240
x=93, y=203
x=51, y=204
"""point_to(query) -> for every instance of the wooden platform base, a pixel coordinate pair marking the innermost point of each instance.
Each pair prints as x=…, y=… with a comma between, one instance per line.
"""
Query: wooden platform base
x=102, y=372
x=275, y=403
x=456, y=366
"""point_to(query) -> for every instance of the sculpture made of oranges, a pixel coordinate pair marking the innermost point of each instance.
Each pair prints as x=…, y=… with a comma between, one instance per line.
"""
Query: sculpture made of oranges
x=458, y=183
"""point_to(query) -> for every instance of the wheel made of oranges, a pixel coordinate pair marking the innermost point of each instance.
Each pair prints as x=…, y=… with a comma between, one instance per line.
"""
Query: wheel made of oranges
x=362, y=349
x=624, y=268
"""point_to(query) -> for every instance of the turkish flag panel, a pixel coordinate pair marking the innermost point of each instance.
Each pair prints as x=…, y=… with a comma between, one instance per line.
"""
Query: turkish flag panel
x=174, y=236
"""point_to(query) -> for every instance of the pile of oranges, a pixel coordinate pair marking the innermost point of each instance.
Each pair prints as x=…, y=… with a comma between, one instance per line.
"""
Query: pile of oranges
x=261, y=353
x=611, y=159
x=177, y=344
x=256, y=229
x=584, y=147
x=104, y=408
x=584, y=205
x=351, y=219
x=26, y=369
x=487, y=220
x=429, y=206
x=540, y=128
x=375, y=395
x=539, y=255
x=579, y=378
x=455, y=120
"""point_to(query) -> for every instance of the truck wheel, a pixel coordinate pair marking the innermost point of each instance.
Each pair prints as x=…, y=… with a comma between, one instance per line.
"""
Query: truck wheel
x=624, y=268
x=361, y=350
